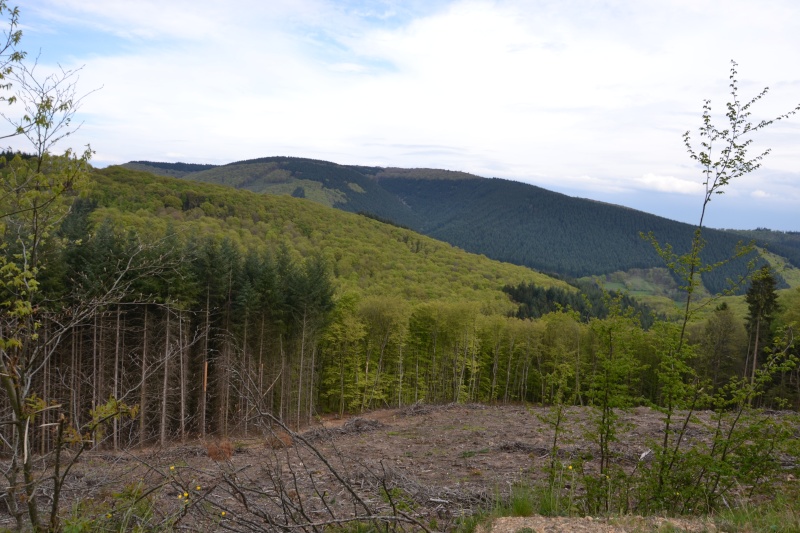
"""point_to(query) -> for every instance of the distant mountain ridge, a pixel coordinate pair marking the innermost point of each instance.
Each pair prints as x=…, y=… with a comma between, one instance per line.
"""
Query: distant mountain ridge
x=505, y=220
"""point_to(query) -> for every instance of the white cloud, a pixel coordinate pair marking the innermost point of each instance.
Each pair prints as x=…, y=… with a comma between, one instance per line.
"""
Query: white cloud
x=760, y=194
x=591, y=96
x=670, y=184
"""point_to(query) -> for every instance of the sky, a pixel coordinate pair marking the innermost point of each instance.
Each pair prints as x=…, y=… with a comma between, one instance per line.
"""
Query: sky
x=588, y=98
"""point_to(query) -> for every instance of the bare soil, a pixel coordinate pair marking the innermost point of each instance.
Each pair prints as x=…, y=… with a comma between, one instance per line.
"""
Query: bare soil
x=427, y=466
x=466, y=455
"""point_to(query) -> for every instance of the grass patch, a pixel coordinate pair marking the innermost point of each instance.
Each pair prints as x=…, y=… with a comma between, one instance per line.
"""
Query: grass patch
x=779, y=516
x=473, y=453
x=398, y=498
x=522, y=501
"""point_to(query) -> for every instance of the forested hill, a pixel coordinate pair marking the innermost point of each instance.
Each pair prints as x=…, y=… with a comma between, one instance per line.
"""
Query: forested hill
x=783, y=243
x=502, y=219
x=366, y=257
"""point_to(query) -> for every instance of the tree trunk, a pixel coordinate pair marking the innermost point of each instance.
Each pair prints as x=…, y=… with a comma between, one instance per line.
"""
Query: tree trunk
x=165, y=386
x=115, y=420
x=183, y=361
x=143, y=384
x=311, y=387
x=300, y=372
x=95, y=373
x=45, y=398
x=204, y=387
x=755, y=352
x=244, y=406
x=74, y=391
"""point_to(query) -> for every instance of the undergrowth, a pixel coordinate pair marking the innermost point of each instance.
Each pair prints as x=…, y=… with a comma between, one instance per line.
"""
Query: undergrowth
x=779, y=515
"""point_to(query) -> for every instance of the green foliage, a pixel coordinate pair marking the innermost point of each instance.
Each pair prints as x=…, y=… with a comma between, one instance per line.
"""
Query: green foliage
x=783, y=243
x=399, y=499
x=721, y=348
x=590, y=302
x=494, y=217
x=167, y=169
x=364, y=255
x=133, y=508
x=696, y=478
x=761, y=297
x=34, y=198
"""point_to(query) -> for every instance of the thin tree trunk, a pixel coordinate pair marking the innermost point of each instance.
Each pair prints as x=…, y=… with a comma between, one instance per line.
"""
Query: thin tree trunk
x=95, y=374
x=755, y=354
x=366, y=377
x=244, y=408
x=261, y=366
x=311, y=387
x=284, y=382
x=400, y=376
x=300, y=373
x=379, y=368
x=74, y=393
x=578, y=400
x=165, y=386
x=183, y=361
x=115, y=420
x=416, y=376
x=495, y=365
x=143, y=384
x=341, y=381
x=508, y=368
x=223, y=374
x=204, y=388
x=45, y=397
x=79, y=400
x=755, y=351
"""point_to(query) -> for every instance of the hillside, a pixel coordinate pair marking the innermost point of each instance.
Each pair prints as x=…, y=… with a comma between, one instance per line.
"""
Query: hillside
x=783, y=243
x=502, y=219
x=365, y=255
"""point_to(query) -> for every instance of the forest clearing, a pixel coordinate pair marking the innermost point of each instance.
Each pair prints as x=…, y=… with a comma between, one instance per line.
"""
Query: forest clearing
x=423, y=467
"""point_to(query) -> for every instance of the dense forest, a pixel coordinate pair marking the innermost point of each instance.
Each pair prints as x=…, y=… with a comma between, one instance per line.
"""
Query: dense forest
x=204, y=305
x=504, y=220
x=591, y=301
x=783, y=243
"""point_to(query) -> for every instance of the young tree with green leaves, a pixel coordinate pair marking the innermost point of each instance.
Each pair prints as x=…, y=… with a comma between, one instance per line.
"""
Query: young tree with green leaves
x=36, y=194
x=723, y=155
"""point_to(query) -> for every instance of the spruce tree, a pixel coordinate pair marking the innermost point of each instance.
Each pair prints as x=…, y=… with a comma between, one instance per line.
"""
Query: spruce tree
x=762, y=304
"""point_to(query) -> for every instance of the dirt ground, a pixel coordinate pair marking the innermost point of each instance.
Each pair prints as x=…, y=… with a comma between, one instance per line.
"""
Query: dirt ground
x=470, y=453
x=426, y=466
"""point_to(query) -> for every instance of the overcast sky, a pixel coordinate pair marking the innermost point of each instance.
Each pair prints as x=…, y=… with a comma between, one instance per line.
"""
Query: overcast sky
x=589, y=98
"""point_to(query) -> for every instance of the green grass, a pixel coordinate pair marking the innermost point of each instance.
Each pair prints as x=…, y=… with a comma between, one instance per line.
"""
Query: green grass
x=522, y=501
x=781, y=515
x=789, y=272
x=473, y=453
